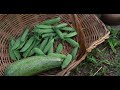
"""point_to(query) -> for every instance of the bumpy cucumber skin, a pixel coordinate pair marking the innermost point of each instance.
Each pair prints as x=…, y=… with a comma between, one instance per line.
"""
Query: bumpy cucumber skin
x=32, y=66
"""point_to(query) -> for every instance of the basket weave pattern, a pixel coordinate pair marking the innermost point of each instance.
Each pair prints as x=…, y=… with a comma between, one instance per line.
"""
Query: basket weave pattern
x=91, y=32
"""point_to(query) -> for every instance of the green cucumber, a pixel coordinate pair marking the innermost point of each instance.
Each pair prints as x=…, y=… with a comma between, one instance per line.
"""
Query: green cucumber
x=32, y=65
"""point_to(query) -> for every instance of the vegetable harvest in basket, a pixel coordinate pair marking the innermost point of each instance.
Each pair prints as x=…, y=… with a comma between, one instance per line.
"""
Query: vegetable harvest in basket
x=34, y=52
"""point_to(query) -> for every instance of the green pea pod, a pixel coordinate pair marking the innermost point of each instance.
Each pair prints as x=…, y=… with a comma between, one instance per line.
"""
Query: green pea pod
x=61, y=25
x=59, y=48
x=67, y=29
x=43, y=31
x=38, y=51
x=16, y=44
x=72, y=34
x=74, y=53
x=11, y=53
x=12, y=40
x=57, y=37
x=62, y=56
x=67, y=61
x=38, y=42
x=27, y=45
x=43, y=44
x=24, y=35
x=48, y=35
x=17, y=54
x=72, y=42
x=37, y=36
x=27, y=52
x=48, y=46
x=51, y=49
x=31, y=53
x=22, y=43
x=51, y=21
x=43, y=26
x=59, y=33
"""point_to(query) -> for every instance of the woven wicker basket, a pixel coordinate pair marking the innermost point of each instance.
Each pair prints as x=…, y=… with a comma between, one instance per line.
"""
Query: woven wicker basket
x=91, y=32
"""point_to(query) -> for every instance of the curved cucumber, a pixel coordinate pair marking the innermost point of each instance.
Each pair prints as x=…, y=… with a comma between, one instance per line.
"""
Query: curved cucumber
x=32, y=66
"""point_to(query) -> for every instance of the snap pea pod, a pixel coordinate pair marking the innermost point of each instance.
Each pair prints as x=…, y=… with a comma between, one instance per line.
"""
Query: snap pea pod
x=72, y=42
x=47, y=47
x=43, y=31
x=67, y=29
x=11, y=53
x=38, y=42
x=59, y=33
x=51, y=21
x=37, y=36
x=28, y=44
x=31, y=53
x=62, y=56
x=38, y=51
x=35, y=45
x=51, y=49
x=43, y=26
x=27, y=52
x=43, y=44
x=16, y=44
x=67, y=61
x=61, y=25
x=57, y=37
x=72, y=34
x=22, y=43
x=17, y=54
x=12, y=40
x=59, y=48
x=48, y=35
x=74, y=53
x=23, y=37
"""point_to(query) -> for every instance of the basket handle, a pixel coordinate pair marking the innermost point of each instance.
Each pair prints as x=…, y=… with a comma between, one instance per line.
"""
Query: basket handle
x=77, y=25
